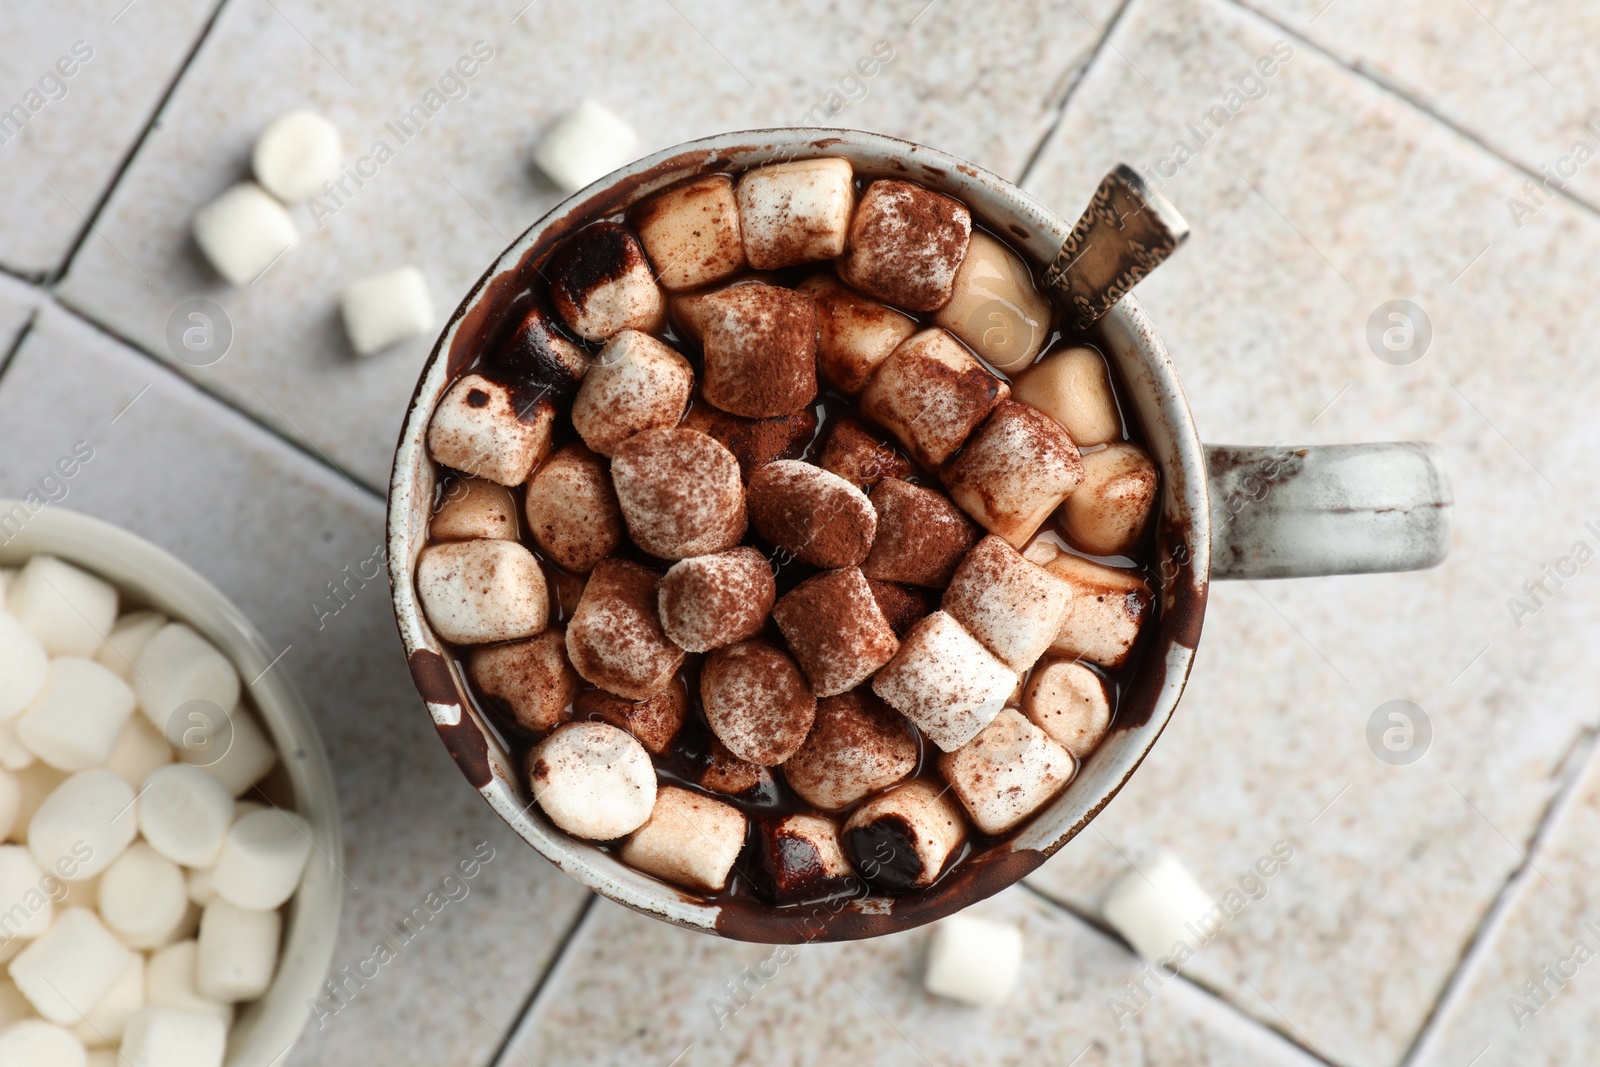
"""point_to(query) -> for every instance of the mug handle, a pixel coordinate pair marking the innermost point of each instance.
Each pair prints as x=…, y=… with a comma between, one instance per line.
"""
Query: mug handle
x=1280, y=511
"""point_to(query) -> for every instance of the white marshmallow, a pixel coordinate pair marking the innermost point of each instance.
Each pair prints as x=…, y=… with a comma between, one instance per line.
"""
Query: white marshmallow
x=295, y=154
x=142, y=897
x=201, y=885
x=249, y=754
x=243, y=231
x=34, y=1043
x=23, y=664
x=945, y=682
x=26, y=907
x=126, y=640
x=74, y=721
x=10, y=802
x=689, y=839
x=35, y=783
x=1012, y=605
x=168, y=1037
x=14, y=755
x=169, y=982
x=262, y=859
x=474, y=592
x=238, y=952
x=975, y=961
x=1007, y=772
x=104, y=1057
x=588, y=142
x=1156, y=906
x=84, y=825
x=14, y=1007
x=72, y=966
x=593, y=780
x=138, y=752
x=184, y=813
x=108, y=1020
x=175, y=667
x=7, y=574
x=796, y=212
x=68, y=609
x=386, y=308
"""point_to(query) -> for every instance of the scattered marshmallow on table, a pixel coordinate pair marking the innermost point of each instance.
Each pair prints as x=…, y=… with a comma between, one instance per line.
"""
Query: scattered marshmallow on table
x=169, y=979
x=76, y=961
x=142, y=897
x=127, y=639
x=1156, y=906
x=178, y=666
x=244, y=231
x=23, y=666
x=386, y=308
x=246, y=760
x=86, y=823
x=586, y=143
x=262, y=859
x=106, y=1022
x=74, y=722
x=295, y=154
x=976, y=961
x=238, y=952
x=68, y=609
x=35, y=1043
x=170, y=1037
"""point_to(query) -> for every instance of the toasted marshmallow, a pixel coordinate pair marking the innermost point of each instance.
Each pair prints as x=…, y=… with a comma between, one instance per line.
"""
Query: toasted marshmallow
x=1069, y=702
x=572, y=509
x=690, y=840
x=532, y=678
x=931, y=393
x=680, y=493
x=901, y=839
x=835, y=630
x=474, y=508
x=945, y=682
x=636, y=383
x=1007, y=772
x=1156, y=906
x=1014, y=472
x=67, y=609
x=600, y=283
x=996, y=309
x=760, y=345
x=1107, y=610
x=614, y=638
x=921, y=536
x=243, y=232
x=796, y=212
x=813, y=514
x=854, y=334
x=593, y=780
x=1011, y=605
x=385, y=309
x=655, y=722
x=710, y=601
x=801, y=857
x=974, y=961
x=755, y=442
x=1109, y=510
x=1074, y=388
x=857, y=745
x=483, y=428
x=295, y=154
x=756, y=701
x=474, y=592
x=585, y=144
x=691, y=233
x=906, y=245
x=540, y=358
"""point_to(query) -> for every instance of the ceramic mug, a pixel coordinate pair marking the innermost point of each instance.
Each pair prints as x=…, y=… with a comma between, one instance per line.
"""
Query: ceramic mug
x=1226, y=512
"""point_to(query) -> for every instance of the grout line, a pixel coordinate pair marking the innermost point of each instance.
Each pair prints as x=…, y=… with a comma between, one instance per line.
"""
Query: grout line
x=1072, y=90
x=556, y=959
x=10, y=354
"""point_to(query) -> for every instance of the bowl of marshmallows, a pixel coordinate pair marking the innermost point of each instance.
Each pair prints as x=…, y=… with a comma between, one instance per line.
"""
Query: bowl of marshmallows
x=169, y=832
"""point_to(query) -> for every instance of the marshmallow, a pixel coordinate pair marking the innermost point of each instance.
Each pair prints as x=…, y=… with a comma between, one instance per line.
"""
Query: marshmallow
x=691, y=233
x=184, y=813
x=945, y=682
x=34, y=1043
x=931, y=394
x=6, y=576
x=23, y=666
x=586, y=143
x=729, y=775
x=169, y=979
x=706, y=602
x=654, y=723
x=795, y=212
x=614, y=638
x=173, y=1038
x=74, y=721
x=860, y=458
x=1156, y=906
x=540, y=358
x=680, y=493
x=175, y=668
x=249, y=754
x=484, y=428
x=72, y=966
x=593, y=780
x=474, y=508
x=572, y=509
x=387, y=308
x=262, y=859
x=474, y=592
x=1107, y=513
x=760, y=347
x=755, y=442
x=104, y=1057
x=1073, y=388
x=1013, y=606
x=801, y=857
x=902, y=605
x=906, y=245
x=532, y=679
x=243, y=232
x=1107, y=610
x=10, y=802
x=975, y=961
x=200, y=886
x=636, y=383
x=127, y=639
x=689, y=839
x=1069, y=702
x=1014, y=472
x=14, y=755
x=835, y=630
x=26, y=904
x=295, y=154
x=66, y=608
x=756, y=701
x=238, y=952
x=138, y=751
x=108, y=1020
x=921, y=537
x=1007, y=772
x=14, y=1007
x=857, y=746
x=813, y=514
x=34, y=783
x=600, y=283
x=995, y=309
x=142, y=897
x=854, y=334
x=901, y=839
x=83, y=825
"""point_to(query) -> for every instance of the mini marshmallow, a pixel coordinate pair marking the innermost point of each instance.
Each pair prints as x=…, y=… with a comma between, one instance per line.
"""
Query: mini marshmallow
x=14, y=755
x=35, y=783
x=800, y=856
x=385, y=309
x=184, y=813
x=10, y=802
x=1104, y=616
x=126, y=640
x=902, y=838
x=593, y=780
x=474, y=592
x=857, y=745
x=795, y=212
x=14, y=1007
x=755, y=442
x=931, y=393
x=238, y=952
x=1107, y=513
x=200, y=886
x=654, y=723
x=104, y=1057
x=600, y=283
x=902, y=605
x=1073, y=388
x=689, y=839
x=572, y=509
x=295, y=154
x=706, y=602
x=35, y=1043
x=1007, y=772
x=854, y=334
x=66, y=608
x=74, y=721
x=532, y=678
x=813, y=514
x=138, y=751
x=1156, y=906
x=485, y=428
x=243, y=232
x=859, y=457
x=680, y=493
x=614, y=638
x=945, y=681
x=1013, y=606
x=921, y=536
x=756, y=701
x=760, y=347
x=249, y=755
x=1069, y=702
x=75, y=962
x=906, y=245
x=1015, y=470
x=474, y=508
x=178, y=666
x=833, y=625
x=636, y=383
x=540, y=358
x=169, y=979
x=995, y=307
x=691, y=233
x=586, y=143
x=173, y=1038
x=108, y=1020
x=975, y=961
x=729, y=775
x=23, y=666
x=26, y=907
x=262, y=859
x=6, y=576
x=84, y=825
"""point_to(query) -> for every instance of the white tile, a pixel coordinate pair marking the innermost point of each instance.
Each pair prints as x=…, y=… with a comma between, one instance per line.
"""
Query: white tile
x=17, y=301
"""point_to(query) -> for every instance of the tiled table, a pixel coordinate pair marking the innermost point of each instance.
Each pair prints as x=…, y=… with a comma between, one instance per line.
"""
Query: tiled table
x=1388, y=156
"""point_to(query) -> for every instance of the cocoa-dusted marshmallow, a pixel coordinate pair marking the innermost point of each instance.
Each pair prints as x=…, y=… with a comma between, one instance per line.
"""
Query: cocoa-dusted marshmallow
x=903, y=838
x=1014, y=472
x=756, y=701
x=921, y=535
x=906, y=245
x=760, y=345
x=755, y=442
x=636, y=383
x=472, y=508
x=729, y=775
x=835, y=630
x=945, y=681
x=1007, y=772
x=854, y=334
x=531, y=678
x=811, y=513
x=796, y=212
x=572, y=510
x=1013, y=606
x=931, y=393
x=690, y=840
x=710, y=601
x=859, y=457
x=1108, y=511
x=1107, y=609
x=539, y=357
x=600, y=283
x=614, y=639
x=1069, y=702
x=680, y=493
x=691, y=232
x=654, y=722
x=1073, y=387
x=485, y=428
x=593, y=780
x=996, y=309
x=800, y=856
x=474, y=592
x=858, y=745
x=902, y=605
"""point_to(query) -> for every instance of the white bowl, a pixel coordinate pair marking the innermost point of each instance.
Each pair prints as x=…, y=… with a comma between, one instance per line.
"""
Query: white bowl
x=148, y=576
